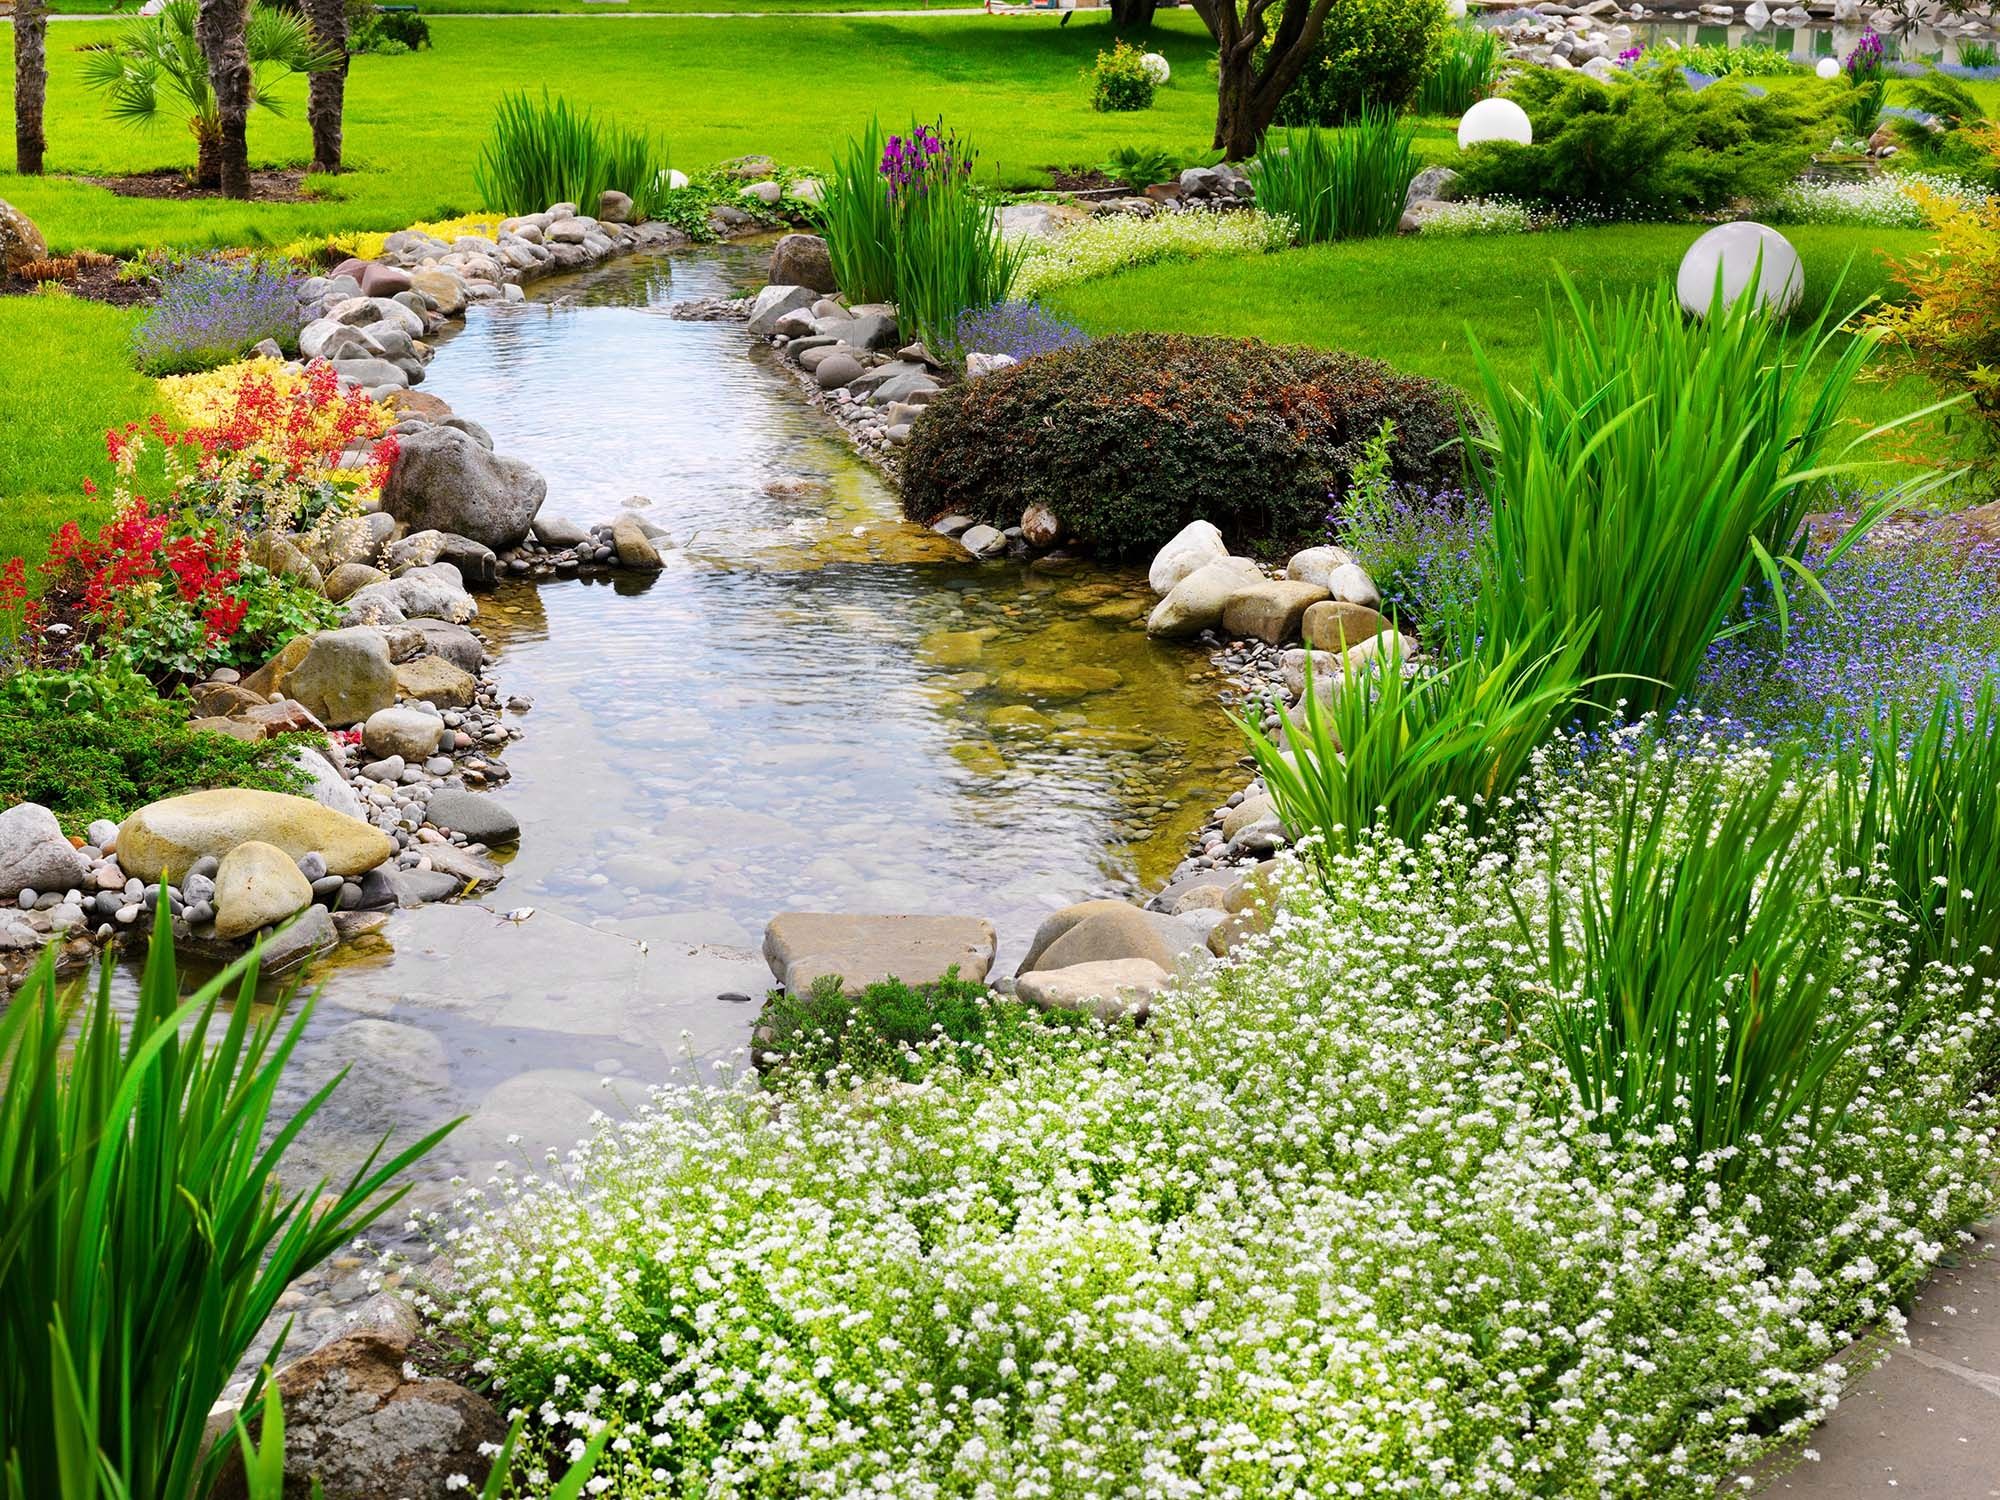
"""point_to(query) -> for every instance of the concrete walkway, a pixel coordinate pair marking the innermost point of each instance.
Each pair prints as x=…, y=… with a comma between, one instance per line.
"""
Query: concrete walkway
x=1926, y=1421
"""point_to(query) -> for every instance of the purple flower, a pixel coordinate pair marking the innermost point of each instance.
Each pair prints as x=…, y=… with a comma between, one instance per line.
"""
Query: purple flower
x=212, y=309
x=912, y=163
x=1021, y=329
x=1420, y=546
x=1866, y=62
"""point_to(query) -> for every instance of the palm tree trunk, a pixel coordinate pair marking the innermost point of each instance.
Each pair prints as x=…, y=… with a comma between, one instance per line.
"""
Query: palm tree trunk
x=220, y=27
x=326, y=90
x=31, y=84
x=207, y=156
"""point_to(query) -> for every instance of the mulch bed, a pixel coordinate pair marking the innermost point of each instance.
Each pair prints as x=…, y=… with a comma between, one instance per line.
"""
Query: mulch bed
x=1081, y=180
x=272, y=185
x=99, y=283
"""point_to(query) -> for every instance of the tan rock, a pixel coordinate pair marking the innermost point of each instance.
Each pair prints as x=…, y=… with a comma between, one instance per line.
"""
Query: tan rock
x=1237, y=928
x=1334, y=625
x=635, y=549
x=435, y=680
x=1111, y=930
x=234, y=729
x=349, y=578
x=1251, y=810
x=802, y=947
x=1041, y=526
x=20, y=240
x=174, y=833
x=1317, y=565
x=223, y=698
x=1196, y=602
x=1110, y=989
x=258, y=885
x=952, y=648
x=443, y=288
x=1270, y=611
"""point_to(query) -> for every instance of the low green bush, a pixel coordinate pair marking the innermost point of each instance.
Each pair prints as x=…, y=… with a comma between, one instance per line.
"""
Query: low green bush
x=897, y=1029
x=1120, y=80
x=1371, y=53
x=89, y=745
x=1647, y=147
x=1129, y=438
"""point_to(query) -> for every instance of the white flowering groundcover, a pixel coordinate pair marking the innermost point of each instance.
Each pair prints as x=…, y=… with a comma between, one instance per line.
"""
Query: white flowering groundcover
x=1333, y=1223
x=1116, y=242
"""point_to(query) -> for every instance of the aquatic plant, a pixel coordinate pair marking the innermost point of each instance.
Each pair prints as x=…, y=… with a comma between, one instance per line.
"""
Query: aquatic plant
x=213, y=308
x=1343, y=184
x=1464, y=70
x=547, y=151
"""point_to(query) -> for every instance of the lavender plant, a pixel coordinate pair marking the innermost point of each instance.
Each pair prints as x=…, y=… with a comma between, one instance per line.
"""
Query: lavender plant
x=212, y=308
x=1894, y=626
x=1020, y=329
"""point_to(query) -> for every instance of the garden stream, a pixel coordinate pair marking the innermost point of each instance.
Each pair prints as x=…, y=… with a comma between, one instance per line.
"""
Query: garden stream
x=816, y=706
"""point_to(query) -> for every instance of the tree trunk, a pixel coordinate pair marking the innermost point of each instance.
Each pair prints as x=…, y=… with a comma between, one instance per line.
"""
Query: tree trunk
x=220, y=27
x=207, y=158
x=326, y=91
x=1127, y=15
x=31, y=84
x=1246, y=95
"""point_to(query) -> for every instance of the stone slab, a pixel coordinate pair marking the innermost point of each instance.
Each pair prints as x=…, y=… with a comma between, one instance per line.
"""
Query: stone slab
x=803, y=947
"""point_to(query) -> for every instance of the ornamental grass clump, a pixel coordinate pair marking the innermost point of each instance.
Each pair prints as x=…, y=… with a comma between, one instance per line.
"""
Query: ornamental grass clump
x=145, y=1230
x=1336, y=1222
x=856, y=217
x=1463, y=71
x=1651, y=469
x=212, y=309
x=547, y=151
x=1344, y=184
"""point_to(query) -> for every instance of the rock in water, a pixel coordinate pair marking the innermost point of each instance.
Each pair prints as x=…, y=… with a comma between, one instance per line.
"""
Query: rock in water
x=477, y=815
x=174, y=833
x=803, y=260
x=1196, y=603
x=802, y=947
x=34, y=855
x=635, y=548
x=258, y=885
x=1194, y=545
x=446, y=481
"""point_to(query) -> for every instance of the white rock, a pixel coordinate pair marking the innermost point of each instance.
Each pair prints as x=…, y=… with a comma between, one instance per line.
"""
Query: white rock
x=1195, y=545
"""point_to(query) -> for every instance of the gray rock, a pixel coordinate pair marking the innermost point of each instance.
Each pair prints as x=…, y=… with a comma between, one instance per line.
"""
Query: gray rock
x=1432, y=182
x=867, y=331
x=34, y=853
x=447, y=481
x=477, y=815
x=983, y=541
x=802, y=947
x=371, y=374
x=408, y=733
x=454, y=643
x=420, y=887
x=773, y=302
x=836, y=370
x=803, y=260
x=979, y=365
x=614, y=207
x=559, y=532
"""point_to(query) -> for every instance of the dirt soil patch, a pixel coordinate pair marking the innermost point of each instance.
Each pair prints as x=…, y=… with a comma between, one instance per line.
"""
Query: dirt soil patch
x=267, y=185
x=1081, y=180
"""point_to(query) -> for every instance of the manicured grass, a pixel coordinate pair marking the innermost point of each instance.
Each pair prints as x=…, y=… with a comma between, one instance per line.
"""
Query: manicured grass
x=792, y=87
x=1411, y=302
x=65, y=375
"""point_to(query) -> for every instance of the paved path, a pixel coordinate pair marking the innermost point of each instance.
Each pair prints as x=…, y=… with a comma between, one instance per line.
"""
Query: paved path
x=1925, y=1423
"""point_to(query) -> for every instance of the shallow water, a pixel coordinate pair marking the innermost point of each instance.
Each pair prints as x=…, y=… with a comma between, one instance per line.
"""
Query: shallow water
x=1805, y=43
x=816, y=706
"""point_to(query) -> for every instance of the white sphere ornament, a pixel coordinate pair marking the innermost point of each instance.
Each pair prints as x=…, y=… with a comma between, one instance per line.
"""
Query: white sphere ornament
x=1828, y=68
x=1494, y=120
x=1740, y=253
x=1156, y=68
x=676, y=179
x=1457, y=9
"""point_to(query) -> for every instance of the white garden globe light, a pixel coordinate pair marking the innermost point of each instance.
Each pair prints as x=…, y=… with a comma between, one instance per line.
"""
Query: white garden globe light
x=1457, y=9
x=1740, y=252
x=1494, y=120
x=677, y=179
x=1156, y=67
x=1828, y=67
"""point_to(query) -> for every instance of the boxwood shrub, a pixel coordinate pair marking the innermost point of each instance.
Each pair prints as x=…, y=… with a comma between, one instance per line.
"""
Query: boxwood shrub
x=1129, y=438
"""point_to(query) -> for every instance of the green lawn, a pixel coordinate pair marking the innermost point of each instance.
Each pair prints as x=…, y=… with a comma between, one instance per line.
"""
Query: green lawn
x=65, y=375
x=792, y=87
x=1412, y=302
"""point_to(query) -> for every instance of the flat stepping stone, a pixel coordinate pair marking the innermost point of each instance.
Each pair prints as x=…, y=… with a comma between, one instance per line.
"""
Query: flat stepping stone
x=803, y=947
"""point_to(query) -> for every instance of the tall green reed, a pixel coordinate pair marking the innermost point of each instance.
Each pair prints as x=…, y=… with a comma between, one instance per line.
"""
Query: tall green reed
x=145, y=1234
x=1342, y=184
x=1923, y=808
x=1693, y=959
x=1387, y=742
x=1655, y=467
x=547, y=151
x=857, y=220
x=1463, y=71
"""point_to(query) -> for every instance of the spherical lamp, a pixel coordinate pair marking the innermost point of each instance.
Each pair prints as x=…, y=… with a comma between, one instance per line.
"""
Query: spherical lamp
x=676, y=179
x=1457, y=9
x=1828, y=67
x=1494, y=120
x=1156, y=68
x=1740, y=254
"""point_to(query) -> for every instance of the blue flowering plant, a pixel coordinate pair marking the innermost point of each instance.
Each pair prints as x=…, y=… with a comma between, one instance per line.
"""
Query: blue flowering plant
x=213, y=308
x=1020, y=329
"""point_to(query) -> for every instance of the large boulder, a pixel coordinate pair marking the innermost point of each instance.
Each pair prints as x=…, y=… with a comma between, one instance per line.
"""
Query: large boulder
x=436, y=593
x=1334, y=625
x=802, y=947
x=258, y=885
x=360, y=1426
x=1104, y=931
x=20, y=241
x=341, y=676
x=174, y=833
x=454, y=643
x=1196, y=602
x=1110, y=989
x=803, y=260
x=1270, y=611
x=34, y=854
x=447, y=481
x=1194, y=545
